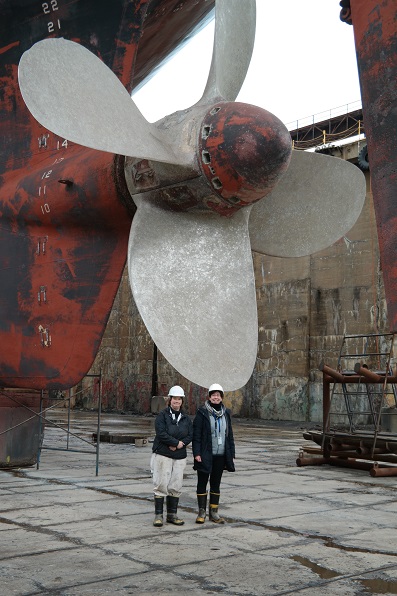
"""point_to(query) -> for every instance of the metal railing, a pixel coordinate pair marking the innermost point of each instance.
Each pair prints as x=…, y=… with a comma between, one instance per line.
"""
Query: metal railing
x=46, y=421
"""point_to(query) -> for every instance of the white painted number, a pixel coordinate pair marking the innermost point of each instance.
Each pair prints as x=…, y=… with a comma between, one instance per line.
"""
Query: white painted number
x=51, y=26
x=46, y=7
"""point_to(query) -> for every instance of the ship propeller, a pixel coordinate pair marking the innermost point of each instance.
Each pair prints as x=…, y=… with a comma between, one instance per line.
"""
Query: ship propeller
x=191, y=273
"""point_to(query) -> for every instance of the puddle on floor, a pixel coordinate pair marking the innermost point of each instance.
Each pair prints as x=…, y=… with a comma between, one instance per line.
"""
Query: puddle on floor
x=320, y=571
x=371, y=586
x=379, y=586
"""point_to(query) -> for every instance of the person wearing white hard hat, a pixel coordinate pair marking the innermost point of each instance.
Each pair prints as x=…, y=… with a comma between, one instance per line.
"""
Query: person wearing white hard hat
x=173, y=432
x=213, y=451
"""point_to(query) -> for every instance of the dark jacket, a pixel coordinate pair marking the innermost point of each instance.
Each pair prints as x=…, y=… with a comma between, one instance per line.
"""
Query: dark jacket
x=169, y=433
x=202, y=442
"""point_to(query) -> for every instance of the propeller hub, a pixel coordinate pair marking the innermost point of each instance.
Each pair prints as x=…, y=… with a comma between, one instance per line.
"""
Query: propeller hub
x=243, y=150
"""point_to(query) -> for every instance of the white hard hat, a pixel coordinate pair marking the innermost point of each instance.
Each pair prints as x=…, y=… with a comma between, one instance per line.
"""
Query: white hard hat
x=176, y=391
x=215, y=387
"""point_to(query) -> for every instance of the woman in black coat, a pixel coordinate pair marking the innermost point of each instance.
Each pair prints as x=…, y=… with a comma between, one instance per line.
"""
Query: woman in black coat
x=173, y=433
x=213, y=451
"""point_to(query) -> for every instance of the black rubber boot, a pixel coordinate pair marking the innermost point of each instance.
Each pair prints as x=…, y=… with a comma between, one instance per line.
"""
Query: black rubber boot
x=213, y=510
x=158, y=511
x=172, y=508
x=202, y=507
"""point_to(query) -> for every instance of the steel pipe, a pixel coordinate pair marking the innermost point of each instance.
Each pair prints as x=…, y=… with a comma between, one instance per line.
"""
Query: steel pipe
x=336, y=375
x=311, y=461
x=377, y=471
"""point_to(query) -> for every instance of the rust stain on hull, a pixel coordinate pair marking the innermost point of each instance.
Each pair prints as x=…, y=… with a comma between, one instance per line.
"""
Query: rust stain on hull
x=374, y=23
x=64, y=228
x=63, y=252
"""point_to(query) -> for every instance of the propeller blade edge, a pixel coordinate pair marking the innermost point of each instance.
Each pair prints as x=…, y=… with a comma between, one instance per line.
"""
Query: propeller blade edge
x=316, y=202
x=233, y=45
x=72, y=93
x=192, y=279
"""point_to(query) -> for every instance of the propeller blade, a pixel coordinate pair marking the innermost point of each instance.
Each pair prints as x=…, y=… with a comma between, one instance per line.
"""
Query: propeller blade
x=76, y=96
x=315, y=203
x=233, y=44
x=192, y=279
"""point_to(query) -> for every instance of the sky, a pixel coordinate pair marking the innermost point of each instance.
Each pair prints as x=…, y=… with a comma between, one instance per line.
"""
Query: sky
x=303, y=64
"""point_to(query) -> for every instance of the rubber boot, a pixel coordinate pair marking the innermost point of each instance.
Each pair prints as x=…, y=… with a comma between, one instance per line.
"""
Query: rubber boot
x=213, y=510
x=158, y=511
x=202, y=507
x=172, y=508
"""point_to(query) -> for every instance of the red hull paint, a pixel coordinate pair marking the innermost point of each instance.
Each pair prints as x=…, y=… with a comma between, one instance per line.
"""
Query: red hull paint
x=62, y=262
x=64, y=227
x=375, y=32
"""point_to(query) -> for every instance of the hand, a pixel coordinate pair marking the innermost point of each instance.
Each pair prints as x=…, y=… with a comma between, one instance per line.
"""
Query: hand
x=171, y=448
x=198, y=458
x=180, y=445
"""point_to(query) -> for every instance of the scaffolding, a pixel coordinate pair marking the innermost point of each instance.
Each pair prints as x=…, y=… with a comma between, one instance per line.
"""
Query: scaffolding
x=359, y=408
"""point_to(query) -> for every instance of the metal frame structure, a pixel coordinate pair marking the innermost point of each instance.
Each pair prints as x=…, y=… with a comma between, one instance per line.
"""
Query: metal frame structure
x=67, y=430
x=330, y=130
x=362, y=395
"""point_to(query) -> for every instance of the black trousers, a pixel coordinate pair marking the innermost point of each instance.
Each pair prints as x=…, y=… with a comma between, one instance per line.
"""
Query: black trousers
x=218, y=465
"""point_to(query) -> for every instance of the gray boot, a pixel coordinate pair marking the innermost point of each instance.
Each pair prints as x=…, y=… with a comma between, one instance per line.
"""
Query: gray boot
x=158, y=511
x=202, y=506
x=172, y=508
x=213, y=510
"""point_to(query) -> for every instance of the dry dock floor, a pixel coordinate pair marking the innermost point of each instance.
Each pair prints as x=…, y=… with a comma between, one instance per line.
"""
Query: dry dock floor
x=308, y=531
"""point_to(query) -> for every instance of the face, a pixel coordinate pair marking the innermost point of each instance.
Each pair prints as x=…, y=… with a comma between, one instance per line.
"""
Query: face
x=215, y=398
x=176, y=403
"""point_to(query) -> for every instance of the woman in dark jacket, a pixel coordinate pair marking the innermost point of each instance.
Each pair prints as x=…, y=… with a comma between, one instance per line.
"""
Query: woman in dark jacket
x=213, y=451
x=173, y=433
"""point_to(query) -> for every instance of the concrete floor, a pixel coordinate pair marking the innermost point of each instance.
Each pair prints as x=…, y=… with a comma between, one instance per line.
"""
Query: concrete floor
x=290, y=530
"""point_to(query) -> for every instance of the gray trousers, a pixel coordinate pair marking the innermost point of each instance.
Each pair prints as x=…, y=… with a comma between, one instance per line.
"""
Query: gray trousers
x=167, y=475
